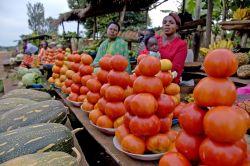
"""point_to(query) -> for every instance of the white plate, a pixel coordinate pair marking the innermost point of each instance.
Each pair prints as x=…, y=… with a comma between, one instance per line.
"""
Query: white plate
x=145, y=157
x=75, y=103
x=109, y=131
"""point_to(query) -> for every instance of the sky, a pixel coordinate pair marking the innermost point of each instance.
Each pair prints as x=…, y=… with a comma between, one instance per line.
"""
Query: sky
x=14, y=18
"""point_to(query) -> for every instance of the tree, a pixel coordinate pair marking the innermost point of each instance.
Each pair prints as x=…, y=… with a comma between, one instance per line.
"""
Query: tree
x=50, y=26
x=36, y=19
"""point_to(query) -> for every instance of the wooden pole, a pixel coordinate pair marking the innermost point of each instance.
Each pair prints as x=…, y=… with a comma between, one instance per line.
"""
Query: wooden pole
x=224, y=17
x=123, y=14
x=77, y=34
x=146, y=18
x=197, y=35
x=209, y=22
x=94, y=28
x=63, y=29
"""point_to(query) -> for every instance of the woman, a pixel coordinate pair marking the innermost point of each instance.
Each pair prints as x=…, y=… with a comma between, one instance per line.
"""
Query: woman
x=113, y=45
x=29, y=49
x=171, y=46
x=42, y=52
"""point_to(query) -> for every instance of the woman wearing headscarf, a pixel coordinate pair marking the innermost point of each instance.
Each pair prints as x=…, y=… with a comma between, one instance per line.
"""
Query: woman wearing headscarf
x=113, y=45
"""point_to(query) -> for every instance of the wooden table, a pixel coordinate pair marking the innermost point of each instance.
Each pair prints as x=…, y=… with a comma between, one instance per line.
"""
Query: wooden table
x=106, y=141
x=200, y=74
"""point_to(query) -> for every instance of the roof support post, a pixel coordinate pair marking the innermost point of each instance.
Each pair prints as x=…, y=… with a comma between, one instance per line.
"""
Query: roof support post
x=122, y=15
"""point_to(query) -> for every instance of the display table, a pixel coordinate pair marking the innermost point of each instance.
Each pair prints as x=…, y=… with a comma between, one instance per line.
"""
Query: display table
x=106, y=141
x=199, y=74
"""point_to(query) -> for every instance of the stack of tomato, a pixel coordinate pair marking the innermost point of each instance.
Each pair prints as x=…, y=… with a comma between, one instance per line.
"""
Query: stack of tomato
x=80, y=67
x=59, y=70
x=149, y=117
x=111, y=105
x=214, y=130
x=49, y=57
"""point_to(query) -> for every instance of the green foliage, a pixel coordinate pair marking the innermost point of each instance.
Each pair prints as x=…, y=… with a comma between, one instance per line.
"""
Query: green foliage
x=76, y=4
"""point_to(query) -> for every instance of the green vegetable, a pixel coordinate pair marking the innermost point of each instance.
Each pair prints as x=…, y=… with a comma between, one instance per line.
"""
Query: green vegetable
x=43, y=159
x=50, y=111
x=19, y=57
x=43, y=137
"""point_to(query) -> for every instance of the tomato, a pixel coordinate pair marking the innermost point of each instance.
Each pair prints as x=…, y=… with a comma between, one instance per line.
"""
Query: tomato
x=210, y=92
x=75, y=66
x=76, y=58
x=158, y=143
x=56, y=69
x=166, y=124
x=119, y=121
x=165, y=77
x=75, y=88
x=225, y=124
x=178, y=109
x=172, y=134
x=86, y=70
x=145, y=126
x=76, y=78
x=84, y=90
x=86, y=59
x=132, y=79
x=121, y=132
x=220, y=63
x=174, y=159
x=73, y=97
x=105, y=62
x=85, y=78
x=94, y=115
x=172, y=89
x=127, y=119
x=120, y=78
x=93, y=97
x=102, y=76
x=188, y=145
x=119, y=62
x=59, y=63
x=93, y=85
x=81, y=98
x=220, y=154
x=114, y=93
x=127, y=102
x=103, y=89
x=144, y=84
x=128, y=91
x=115, y=109
x=166, y=106
x=102, y=104
x=133, y=144
x=149, y=66
x=143, y=105
x=104, y=121
x=87, y=106
x=140, y=57
x=69, y=74
x=191, y=120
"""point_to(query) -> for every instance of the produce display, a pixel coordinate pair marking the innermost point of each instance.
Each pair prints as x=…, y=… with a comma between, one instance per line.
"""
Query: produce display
x=212, y=128
x=241, y=14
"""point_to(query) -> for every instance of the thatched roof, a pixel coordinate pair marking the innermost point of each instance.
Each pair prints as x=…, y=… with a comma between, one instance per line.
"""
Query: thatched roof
x=100, y=7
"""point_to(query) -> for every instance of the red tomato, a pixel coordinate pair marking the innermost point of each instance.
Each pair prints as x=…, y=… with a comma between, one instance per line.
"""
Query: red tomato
x=173, y=159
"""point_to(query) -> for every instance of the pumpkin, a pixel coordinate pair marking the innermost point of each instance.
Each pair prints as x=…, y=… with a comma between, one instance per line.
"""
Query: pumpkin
x=220, y=63
x=210, y=92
